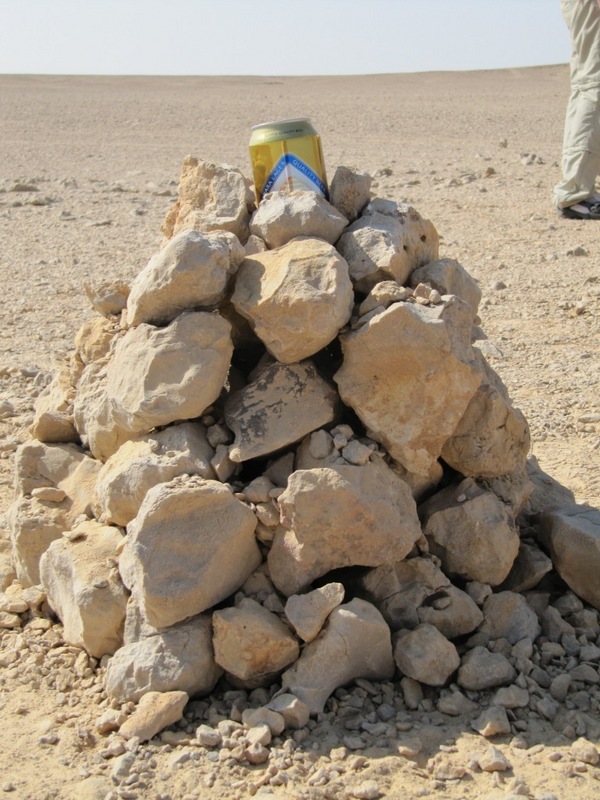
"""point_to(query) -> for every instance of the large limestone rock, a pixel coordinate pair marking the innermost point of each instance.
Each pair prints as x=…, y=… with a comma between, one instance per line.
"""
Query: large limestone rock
x=180, y=658
x=355, y=643
x=281, y=216
x=472, y=533
x=155, y=376
x=251, y=643
x=191, y=271
x=402, y=377
x=492, y=438
x=211, y=197
x=53, y=487
x=325, y=513
x=425, y=655
x=190, y=546
x=389, y=240
x=277, y=408
x=296, y=298
x=155, y=711
x=572, y=534
x=83, y=585
x=350, y=191
x=449, y=277
x=140, y=464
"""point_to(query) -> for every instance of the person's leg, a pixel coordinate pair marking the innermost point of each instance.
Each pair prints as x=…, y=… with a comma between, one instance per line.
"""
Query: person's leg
x=581, y=145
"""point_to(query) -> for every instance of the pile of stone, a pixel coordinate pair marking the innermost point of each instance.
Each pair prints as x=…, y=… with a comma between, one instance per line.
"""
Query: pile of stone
x=280, y=458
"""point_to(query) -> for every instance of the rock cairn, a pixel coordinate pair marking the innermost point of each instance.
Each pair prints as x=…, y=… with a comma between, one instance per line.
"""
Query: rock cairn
x=279, y=459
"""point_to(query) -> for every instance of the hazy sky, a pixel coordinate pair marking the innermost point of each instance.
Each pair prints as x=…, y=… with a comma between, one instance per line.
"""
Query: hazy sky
x=277, y=37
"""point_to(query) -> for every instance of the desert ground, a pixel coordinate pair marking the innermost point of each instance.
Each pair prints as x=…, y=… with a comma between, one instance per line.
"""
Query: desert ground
x=89, y=167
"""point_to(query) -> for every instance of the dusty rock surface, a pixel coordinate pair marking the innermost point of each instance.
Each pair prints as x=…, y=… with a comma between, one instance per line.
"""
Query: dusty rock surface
x=88, y=171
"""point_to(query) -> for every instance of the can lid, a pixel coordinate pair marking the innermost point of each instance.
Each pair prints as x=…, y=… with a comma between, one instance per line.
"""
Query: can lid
x=280, y=122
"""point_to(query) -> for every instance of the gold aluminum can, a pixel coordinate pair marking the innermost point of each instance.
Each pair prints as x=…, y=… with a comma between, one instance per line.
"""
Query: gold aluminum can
x=286, y=156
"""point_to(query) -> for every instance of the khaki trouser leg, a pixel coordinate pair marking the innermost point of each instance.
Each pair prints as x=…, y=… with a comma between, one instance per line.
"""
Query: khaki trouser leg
x=581, y=144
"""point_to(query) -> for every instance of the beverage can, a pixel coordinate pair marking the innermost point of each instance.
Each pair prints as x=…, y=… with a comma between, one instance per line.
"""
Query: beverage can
x=286, y=155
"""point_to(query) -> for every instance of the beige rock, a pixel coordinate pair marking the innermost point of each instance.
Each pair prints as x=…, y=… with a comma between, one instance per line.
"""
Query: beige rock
x=572, y=534
x=389, y=241
x=295, y=713
x=509, y=616
x=426, y=655
x=264, y=716
x=281, y=405
x=179, y=658
x=108, y=298
x=155, y=711
x=350, y=191
x=355, y=643
x=281, y=216
x=191, y=271
x=472, y=533
x=530, y=566
x=451, y=611
x=211, y=197
x=316, y=450
x=326, y=512
x=84, y=587
x=154, y=377
x=492, y=438
x=94, y=338
x=399, y=589
x=190, y=546
x=53, y=419
x=255, y=245
x=382, y=295
x=251, y=643
x=296, y=297
x=492, y=721
x=35, y=522
x=449, y=277
x=141, y=463
x=307, y=612
x=406, y=384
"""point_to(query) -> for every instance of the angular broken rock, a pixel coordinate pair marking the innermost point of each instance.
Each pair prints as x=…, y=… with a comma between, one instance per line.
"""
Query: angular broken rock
x=449, y=277
x=389, y=240
x=307, y=612
x=84, y=587
x=108, y=298
x=326, y=513
x=53, y=420
x=282, y=216
x=211, y=197
x=481, y=670
x=155, y=376
x=350, y=191
x=251, y=643
x=572, y=535
x=529, y=568
x=142, y=463
x=492, y=438
x=471, y=532
x=402, y=378
x=355, y=643
x=451, y=611
x=35, y=522
x=277, y=408
x=191, y=545
x=425, y=655
x=191, y=271
x=296, y=298
x=509, y=616
x=179, y=658
x=155, y=711
x=399, y=589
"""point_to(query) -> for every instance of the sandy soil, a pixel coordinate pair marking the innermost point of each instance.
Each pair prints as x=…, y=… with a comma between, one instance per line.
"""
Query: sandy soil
x=477, y=153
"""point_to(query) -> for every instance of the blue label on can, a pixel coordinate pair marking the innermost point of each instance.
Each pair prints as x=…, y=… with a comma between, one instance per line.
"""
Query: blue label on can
x=291, y=173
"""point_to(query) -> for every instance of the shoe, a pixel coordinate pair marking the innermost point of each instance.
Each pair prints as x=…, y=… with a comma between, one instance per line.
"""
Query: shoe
x=585, y=209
